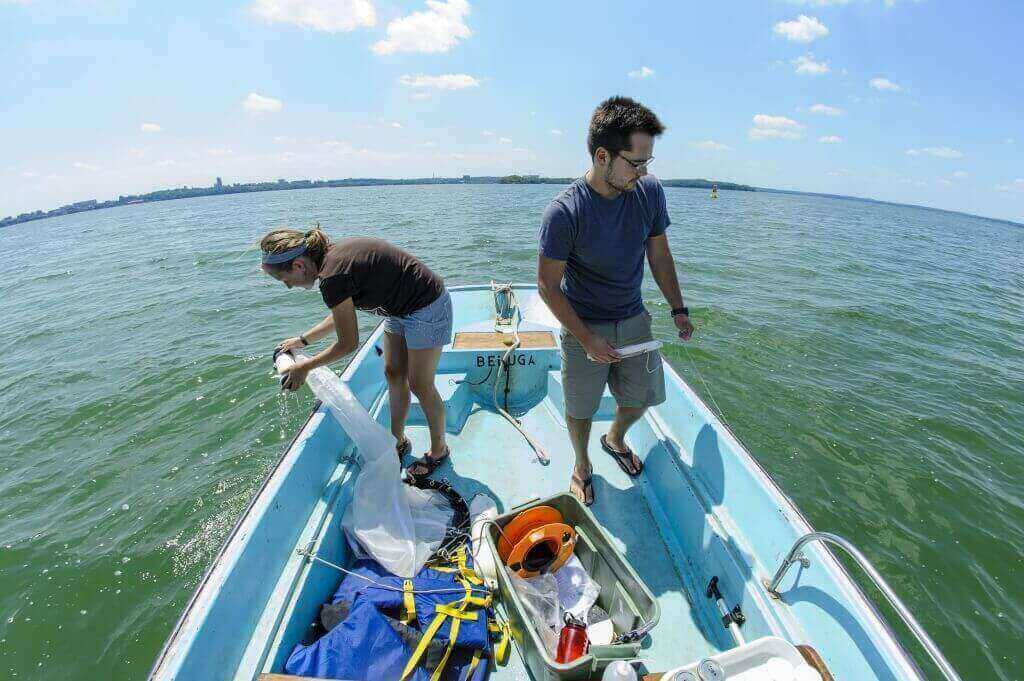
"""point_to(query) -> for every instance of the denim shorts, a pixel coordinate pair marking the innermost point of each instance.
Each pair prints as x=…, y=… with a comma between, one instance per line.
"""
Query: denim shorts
x=428, y=327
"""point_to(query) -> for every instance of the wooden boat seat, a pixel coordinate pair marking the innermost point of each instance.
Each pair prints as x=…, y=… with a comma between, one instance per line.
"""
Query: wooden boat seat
x=494, y=340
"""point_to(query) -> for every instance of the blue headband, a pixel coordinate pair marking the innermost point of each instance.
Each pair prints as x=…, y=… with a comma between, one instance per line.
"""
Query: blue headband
x=284, y=256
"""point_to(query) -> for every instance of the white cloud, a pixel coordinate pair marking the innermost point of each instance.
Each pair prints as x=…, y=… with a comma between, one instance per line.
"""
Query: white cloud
x=806, y=66
x=333, y=16
x=710, y=145
x=258, y=104
x=555, y=131
x=429, y=145
x=884, y=84
x=138, y=152
x=437, y=29
x=504, y=140
x=219, y=151
x=520, y=150
x=938, y=152
x=421, y=95
x=448, y=81
x=826, y=110
x=1008, y=140
x=642, y=72
x=830, y=139
x=803, y=29
x=946, y=183
x=775, y=127
x=1015, y=186
x=29, y=175
x=818, y=3
x=85, y=166
x=150, y=127
x=961, y=174
x=487, y=133
x=166, y=163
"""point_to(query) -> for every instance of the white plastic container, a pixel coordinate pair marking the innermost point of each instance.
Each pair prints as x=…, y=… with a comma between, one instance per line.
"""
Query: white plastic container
x=766, y=659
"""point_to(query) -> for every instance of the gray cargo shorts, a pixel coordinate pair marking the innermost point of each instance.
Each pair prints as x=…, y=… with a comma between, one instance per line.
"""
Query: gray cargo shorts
x=634, y=382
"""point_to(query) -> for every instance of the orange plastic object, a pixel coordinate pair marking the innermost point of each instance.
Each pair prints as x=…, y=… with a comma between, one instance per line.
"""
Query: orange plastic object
x=544, y=549
x=522, y=525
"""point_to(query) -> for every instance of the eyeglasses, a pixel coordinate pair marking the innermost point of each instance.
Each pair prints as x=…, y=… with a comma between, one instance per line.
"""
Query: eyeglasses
x=637, y=165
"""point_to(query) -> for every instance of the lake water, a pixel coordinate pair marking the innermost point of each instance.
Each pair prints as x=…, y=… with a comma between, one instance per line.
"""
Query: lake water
x=870, y=356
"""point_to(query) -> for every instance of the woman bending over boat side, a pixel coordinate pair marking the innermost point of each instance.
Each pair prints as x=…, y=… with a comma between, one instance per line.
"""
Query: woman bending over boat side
x=374, y=276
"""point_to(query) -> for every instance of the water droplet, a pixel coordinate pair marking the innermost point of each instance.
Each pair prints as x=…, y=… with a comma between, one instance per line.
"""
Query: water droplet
x=124, y=507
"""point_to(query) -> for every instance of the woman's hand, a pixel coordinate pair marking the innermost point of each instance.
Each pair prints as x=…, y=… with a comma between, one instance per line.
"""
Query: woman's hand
x=290, y=344
x=296, y=376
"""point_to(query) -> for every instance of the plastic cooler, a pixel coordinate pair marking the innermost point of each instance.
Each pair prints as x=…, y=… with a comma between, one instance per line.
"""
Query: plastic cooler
x=624, y=596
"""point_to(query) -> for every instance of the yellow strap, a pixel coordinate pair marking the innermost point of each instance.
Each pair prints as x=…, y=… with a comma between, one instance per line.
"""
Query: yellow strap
x=448, y=651
x=409, y=603
x=456, y=612
x=428, y=636
x=465, y=570
x=501, y=650
x=477, y=656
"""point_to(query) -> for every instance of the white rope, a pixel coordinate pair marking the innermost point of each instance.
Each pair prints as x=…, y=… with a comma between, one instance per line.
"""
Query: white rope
x=518, y=314
x=721, y=414
x=387, y=587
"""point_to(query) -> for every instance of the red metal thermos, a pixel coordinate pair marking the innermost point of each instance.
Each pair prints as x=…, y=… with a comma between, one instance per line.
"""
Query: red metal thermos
x=572, y=642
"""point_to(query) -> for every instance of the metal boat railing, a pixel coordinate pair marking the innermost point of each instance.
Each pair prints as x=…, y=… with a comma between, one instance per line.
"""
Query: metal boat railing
x=795, y=556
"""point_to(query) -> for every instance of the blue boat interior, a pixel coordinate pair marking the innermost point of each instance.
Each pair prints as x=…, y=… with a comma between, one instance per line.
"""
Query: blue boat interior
x=701, y=508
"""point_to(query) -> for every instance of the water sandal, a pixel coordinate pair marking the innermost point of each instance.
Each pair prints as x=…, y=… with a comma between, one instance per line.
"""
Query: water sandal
x=424, y=467
x=403, y=449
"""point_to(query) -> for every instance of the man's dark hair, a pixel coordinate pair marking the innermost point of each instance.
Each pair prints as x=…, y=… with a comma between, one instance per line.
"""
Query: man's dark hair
x=615, y=119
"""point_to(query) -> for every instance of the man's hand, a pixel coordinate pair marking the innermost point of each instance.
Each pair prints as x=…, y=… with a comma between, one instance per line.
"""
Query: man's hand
x=682, y=323
x=599, y=350
x=296, y=376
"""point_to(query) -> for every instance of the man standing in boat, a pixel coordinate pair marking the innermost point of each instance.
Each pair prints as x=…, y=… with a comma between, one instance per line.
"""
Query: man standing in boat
x=593, y=240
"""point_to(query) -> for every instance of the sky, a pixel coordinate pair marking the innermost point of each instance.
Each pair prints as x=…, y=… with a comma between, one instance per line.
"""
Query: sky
x=913, y=101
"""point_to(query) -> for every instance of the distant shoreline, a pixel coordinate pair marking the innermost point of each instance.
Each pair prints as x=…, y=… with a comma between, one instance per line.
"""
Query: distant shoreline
x=218, y=189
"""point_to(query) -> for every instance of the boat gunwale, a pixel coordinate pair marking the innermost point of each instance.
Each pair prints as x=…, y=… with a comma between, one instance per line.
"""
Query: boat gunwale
x=180, y=623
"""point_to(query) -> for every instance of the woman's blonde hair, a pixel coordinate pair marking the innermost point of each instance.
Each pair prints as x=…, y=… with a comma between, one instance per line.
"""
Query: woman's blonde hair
x=284, y=239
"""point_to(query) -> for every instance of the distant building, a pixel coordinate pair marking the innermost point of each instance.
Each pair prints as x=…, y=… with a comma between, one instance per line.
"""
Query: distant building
x=465, y=178
x=531, y=178
x=218, y=185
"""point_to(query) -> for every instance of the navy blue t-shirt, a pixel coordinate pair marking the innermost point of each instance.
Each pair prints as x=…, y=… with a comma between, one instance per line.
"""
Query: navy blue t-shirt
x=603, y=243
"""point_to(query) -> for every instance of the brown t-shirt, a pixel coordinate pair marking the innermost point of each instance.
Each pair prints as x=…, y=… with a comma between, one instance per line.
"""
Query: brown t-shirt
x=378, y=277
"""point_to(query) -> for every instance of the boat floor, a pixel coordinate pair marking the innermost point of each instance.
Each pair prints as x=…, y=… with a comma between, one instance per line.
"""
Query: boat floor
x=489, y=455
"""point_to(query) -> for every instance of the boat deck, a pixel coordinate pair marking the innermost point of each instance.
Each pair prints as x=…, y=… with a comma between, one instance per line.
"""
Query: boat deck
x=489, y=455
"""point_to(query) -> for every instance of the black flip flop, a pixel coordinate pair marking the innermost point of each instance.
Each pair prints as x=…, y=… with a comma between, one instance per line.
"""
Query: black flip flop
x=587, y=484
x=624, y=459
x=429, y=465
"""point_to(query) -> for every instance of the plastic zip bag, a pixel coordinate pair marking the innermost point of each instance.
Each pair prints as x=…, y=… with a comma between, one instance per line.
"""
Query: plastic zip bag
x=539, y=596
